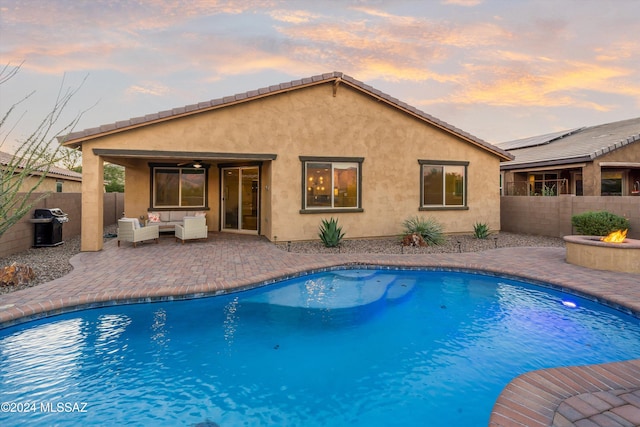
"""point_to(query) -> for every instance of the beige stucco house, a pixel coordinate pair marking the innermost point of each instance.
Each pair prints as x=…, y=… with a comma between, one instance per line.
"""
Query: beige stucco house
x=602, y=160
x=277, y=160
x=56, y=180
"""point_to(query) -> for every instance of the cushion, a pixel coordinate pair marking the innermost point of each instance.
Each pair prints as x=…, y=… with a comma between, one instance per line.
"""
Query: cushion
x=177, y=215
x=135, y=221
x=173, y=216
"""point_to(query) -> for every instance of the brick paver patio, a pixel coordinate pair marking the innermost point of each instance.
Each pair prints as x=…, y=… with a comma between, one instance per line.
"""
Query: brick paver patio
x=600, y=395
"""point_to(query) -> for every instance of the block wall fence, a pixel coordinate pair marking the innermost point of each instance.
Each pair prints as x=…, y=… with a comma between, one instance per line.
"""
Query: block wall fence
x=20, y=237
x=544, y=216
x=551, y=216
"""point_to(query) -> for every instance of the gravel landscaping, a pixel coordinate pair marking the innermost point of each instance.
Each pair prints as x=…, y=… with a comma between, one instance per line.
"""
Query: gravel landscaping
x=52, y=263
x=47, y=263
x=453, y=243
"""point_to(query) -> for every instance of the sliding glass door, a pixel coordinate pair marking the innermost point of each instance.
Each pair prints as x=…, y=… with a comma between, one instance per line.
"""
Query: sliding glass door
x=240, y=199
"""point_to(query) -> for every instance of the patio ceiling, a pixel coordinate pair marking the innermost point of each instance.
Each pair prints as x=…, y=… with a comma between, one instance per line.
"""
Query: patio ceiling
x=122, y=157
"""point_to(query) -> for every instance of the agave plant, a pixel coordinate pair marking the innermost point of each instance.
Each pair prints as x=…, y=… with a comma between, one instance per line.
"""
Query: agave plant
x=330, y=233
x=428, y=228
x=481, y=230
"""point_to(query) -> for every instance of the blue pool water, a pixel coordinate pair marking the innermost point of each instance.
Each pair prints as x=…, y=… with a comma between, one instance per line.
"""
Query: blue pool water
x=342, y=348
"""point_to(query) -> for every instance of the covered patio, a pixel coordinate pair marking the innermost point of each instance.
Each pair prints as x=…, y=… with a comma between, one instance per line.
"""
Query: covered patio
x=226, y=186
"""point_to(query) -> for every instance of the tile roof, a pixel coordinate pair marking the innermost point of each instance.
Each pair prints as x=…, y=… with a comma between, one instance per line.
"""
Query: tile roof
x=76, y=138
x=6, y=158
x=581, y=145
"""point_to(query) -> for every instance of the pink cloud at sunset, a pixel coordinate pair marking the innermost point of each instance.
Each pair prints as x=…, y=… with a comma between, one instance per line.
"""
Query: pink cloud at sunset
x=540, y=66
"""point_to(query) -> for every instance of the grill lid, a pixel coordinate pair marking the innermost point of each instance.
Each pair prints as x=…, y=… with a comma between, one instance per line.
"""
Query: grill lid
x=50, y=214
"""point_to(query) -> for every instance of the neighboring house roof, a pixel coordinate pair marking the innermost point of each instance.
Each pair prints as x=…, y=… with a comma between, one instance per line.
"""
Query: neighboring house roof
x=54, y=171
x=572, y=146
x=75, y=139
x=533, y=141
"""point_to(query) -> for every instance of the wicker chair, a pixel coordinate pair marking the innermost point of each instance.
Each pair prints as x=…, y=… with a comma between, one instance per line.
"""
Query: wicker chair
x=194, y=227
x=129, y=230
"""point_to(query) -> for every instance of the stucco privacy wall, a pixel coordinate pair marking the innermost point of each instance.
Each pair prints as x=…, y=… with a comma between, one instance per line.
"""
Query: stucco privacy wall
x=551, y=216
x=20, y=237
x=311, y=121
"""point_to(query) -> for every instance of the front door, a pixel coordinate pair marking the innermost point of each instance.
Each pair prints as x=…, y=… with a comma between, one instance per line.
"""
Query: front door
x=240, y=199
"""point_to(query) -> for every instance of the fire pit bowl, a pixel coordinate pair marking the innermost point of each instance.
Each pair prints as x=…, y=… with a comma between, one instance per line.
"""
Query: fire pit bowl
x=591, y=252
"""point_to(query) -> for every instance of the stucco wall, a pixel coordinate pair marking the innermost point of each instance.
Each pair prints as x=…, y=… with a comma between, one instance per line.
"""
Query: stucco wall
x=312, y=122
x=137, y=189
x=391, y=144
x=628, y=153
x=551, y=216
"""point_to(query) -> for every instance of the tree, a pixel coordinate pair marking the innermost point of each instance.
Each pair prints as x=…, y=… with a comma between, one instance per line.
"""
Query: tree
x=113, y=178
x=34, y=156
x=70, y=159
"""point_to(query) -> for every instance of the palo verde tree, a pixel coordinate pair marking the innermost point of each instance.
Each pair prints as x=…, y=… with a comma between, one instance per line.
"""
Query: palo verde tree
x=27, y=168
x=70, y=159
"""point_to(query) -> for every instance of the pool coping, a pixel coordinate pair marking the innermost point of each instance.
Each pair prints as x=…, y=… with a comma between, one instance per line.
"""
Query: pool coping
x=62, y=306
x=146, y=274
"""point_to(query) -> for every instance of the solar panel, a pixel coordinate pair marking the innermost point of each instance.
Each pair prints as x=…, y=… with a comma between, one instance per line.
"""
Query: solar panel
x=535, y=140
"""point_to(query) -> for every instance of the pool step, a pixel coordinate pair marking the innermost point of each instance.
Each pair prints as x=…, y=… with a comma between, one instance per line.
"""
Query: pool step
x=344, y=290
x=401, y=289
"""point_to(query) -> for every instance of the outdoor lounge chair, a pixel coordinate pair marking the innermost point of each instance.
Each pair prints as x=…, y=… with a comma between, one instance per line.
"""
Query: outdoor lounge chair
x=194, y=227
x=129, y=230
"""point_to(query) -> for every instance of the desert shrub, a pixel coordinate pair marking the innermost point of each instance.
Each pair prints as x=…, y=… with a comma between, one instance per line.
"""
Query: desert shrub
x=481, y=230
x=428, y=228
x=330, y=233
x=549, y=190
x=598, y=223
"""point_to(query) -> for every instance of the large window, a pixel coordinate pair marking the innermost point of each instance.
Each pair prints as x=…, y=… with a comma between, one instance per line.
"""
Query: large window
x=443, y=184
x=178, y=187
x=611, y=183
x=331, y=184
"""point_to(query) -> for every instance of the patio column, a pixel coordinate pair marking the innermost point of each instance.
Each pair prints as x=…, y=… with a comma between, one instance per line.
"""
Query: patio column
x=92, y=201
x=591, y=179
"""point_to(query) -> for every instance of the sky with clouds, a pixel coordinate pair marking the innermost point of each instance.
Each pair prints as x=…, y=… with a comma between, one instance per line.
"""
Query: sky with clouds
x=498, y=69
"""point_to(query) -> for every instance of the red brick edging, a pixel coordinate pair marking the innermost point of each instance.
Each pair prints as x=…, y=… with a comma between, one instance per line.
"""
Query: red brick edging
x=594, y=395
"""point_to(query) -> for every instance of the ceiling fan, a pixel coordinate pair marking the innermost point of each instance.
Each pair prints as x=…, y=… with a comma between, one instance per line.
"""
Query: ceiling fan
x=196, y=164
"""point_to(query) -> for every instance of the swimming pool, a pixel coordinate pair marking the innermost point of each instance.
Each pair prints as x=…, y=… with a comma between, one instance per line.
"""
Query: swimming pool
x=359, y=347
